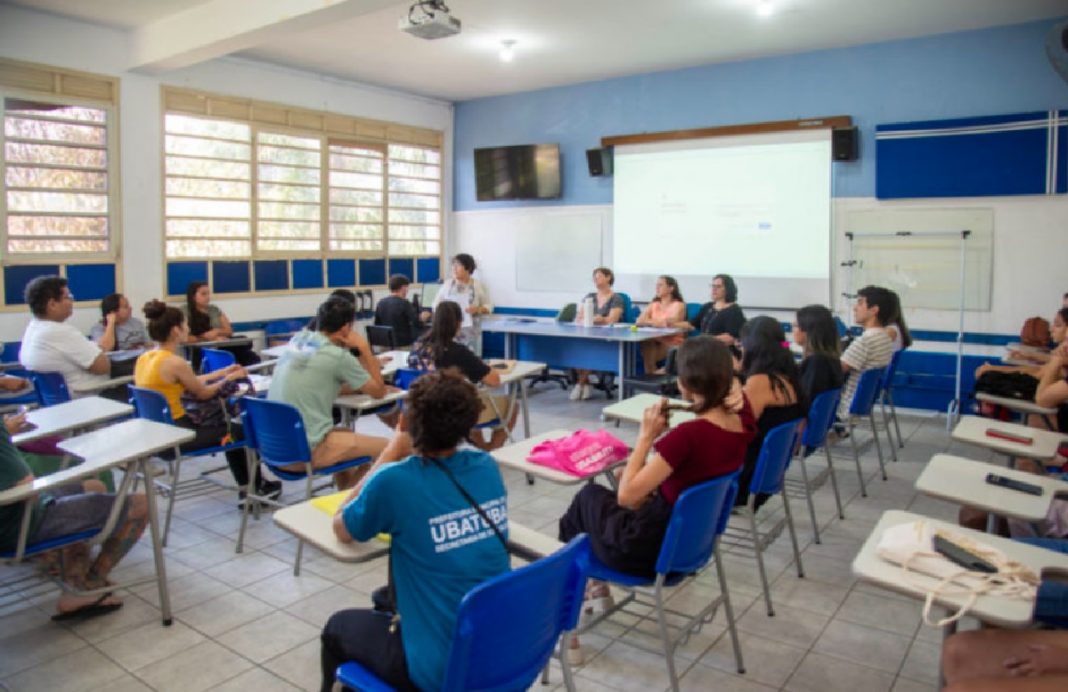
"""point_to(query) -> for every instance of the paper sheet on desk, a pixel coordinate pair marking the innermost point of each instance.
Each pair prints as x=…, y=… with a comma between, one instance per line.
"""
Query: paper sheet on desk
x=330, y=504
x=463, y=299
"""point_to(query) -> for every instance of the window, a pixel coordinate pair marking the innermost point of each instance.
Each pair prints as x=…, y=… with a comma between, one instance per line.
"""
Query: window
x=59, y=172
x=252, y=180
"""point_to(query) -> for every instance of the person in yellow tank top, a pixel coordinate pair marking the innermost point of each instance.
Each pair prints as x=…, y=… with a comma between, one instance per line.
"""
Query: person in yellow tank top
x=164, y=371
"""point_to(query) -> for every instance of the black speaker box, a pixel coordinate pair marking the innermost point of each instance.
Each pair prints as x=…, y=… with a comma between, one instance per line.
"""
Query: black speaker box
x=844, y=144
x=599, y=161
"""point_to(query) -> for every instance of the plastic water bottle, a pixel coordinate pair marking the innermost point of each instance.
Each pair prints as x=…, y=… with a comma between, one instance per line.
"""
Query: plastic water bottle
x=587, y=312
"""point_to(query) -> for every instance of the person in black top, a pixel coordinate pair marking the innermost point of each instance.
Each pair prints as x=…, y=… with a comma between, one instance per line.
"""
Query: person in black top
x=440, y=349
x=398, y=312
x=723, y=317
x=815, y=331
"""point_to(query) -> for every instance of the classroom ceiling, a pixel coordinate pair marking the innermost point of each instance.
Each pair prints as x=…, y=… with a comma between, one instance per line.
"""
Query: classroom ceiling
x=557, y=42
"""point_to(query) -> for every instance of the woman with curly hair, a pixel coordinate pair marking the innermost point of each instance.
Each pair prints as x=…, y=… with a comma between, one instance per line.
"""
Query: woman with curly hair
x=440, y=546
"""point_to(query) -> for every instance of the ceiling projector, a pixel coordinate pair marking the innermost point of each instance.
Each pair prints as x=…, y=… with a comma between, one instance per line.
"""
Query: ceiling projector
x=429, y=19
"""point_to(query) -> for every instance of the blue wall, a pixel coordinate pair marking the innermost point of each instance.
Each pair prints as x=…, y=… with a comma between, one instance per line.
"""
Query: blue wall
x=1002, y=70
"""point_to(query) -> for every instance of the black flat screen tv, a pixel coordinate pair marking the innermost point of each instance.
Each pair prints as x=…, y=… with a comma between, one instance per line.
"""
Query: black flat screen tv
x=530, y=171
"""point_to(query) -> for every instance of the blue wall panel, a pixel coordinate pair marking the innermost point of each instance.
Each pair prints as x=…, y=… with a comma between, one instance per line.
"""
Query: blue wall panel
x=402, y=265
x=271, y=275
x=91, y=281
x=372, y=272
x=17, y=276
x=180, y=274
x=428, y=270
x=230, y=277
x=307, y=273
x=340, y=272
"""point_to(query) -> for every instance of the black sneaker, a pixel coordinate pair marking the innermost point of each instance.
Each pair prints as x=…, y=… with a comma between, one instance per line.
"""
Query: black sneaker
x=269, y=489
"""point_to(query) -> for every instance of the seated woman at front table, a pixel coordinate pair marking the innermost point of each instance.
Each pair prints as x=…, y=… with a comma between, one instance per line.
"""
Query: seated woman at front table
x=627, y=527
x=666, y=309
x=607, y=309
x=117, y=329
x=723, y=317
x=772, y=387
x=441, y=349
x=415, y=499
x=208, y=323
x=164, y=371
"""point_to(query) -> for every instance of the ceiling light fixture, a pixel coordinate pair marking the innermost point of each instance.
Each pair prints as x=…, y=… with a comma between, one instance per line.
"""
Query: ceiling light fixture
x=764, y=8
x=507, y=53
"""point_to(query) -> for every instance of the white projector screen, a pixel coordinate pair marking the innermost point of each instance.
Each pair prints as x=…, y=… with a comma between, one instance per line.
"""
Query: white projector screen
x=757, y=207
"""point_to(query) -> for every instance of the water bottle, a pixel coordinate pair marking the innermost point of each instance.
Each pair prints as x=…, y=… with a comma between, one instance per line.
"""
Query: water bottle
x=587, y=312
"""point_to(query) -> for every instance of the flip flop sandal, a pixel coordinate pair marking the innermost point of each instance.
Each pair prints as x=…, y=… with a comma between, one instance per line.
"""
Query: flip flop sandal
x=90, y=611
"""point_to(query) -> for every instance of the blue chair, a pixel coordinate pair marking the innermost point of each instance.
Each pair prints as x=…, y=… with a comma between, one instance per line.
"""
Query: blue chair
x=275, y=431
x=886, y=384
x=404, y=377
x=51, y=388
x=151, y=405
x=698, y=519
x=29, y=398
x=818, y=424
x=863, y=406
x=769, y=479
x=508, y=626
x=213, y=359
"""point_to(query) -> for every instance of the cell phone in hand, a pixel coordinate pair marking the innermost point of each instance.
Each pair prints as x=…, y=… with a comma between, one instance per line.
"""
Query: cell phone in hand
x=961, y=556
x=1013, y=484
x=1009, y=437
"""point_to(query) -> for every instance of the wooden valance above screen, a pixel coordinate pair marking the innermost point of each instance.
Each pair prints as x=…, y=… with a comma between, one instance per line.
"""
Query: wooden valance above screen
x=826, y=122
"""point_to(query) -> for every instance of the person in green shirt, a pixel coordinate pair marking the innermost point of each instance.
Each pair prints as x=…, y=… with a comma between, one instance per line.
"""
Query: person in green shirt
x=315, y=369
x=67, y=510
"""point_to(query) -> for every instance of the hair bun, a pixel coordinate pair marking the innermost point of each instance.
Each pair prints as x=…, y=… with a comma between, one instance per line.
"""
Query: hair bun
x=154, y=309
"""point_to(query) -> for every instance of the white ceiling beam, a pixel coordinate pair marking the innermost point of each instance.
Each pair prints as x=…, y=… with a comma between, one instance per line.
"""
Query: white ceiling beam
x=220, y=27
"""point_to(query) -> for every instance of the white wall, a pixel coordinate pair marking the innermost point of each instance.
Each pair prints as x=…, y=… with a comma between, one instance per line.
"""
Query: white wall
x=59, y=42
x=1030, y=259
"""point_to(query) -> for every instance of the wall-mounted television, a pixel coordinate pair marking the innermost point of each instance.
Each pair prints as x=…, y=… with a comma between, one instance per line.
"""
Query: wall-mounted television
x=529, y=171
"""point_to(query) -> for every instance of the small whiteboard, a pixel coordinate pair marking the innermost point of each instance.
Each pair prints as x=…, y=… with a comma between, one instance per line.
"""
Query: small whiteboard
x=925, y=269
x=558, y=251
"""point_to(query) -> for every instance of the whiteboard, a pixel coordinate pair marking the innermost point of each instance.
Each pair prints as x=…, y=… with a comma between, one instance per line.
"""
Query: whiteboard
x=558, y=251
x=925, y=270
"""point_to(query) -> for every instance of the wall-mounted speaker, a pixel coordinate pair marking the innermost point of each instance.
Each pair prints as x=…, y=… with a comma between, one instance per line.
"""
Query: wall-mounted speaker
x=844, y=144
x=599, y=161
x=1057, y=48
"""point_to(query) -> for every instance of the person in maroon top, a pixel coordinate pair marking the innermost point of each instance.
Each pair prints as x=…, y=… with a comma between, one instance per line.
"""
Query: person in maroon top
x=626, y=528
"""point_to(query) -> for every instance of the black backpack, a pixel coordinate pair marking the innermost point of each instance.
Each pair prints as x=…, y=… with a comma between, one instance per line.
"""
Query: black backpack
x=1009, y=385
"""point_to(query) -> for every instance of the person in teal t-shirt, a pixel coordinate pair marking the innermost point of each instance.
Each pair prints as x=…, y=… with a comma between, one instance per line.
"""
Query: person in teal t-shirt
x=317, y=367
x=441, y=546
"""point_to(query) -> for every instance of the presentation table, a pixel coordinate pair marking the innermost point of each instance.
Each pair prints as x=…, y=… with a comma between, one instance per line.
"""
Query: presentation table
x=963, y=481
x=983, y=432
x=566, y=344
x=70, y=416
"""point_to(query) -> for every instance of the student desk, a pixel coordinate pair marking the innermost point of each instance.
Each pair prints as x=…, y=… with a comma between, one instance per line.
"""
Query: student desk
x=515, y=456
x=93, y=387
x=609, y=348
x=632, y=409
x=72, y=415
x=516, y=380
x=963, y=481
x=994, y=610
x=309, y=523
x=1024, y=408
x=973, y=429
x=127, y=445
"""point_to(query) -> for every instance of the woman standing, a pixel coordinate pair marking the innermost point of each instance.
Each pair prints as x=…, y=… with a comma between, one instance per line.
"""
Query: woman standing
x=470, y=294
x=607, y=309
x=209, y=323
x=666, y=309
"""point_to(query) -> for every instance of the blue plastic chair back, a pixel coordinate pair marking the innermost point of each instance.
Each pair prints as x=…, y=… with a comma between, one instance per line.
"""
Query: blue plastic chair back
x=866, y=392
x=508, y=626
x=151, y=405
x=215, y=359
x=820, y=418
x=51, y=388
x=276, y=430
x=841, y=327
x=887, y=380
x=404, y=377
x=629, y=313
x=774, y=458
x=697, y=520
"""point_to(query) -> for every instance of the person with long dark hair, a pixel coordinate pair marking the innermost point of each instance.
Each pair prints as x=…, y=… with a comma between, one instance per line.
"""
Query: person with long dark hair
x=772, y=386
x=896, y=328
x=815, y=332
x=118, y=329
x=442, y=349
x=207, y=322
x=166, y=372
x=666, y=309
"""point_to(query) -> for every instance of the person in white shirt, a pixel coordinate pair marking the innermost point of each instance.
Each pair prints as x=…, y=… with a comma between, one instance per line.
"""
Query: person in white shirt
x=51, y=345
x=873, y=348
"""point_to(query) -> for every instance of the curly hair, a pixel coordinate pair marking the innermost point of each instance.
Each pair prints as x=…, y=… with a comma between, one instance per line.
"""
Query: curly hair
x=442, y=407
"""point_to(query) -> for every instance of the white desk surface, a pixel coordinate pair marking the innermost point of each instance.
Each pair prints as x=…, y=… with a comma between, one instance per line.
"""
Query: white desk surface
x=995, y=610
x=633, y=409
x=521, y=369
x=963, y=481
x=307, y=522
x=397, y=359
x=515, y=456
x=526, y=540
x=1015, y=404
x=363, y=402
x=74, y=414
x=972, y=429
x=91, y=387
x=104, y=449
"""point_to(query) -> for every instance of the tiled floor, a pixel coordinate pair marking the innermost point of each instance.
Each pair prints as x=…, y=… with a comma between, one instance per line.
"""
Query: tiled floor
x=244, y=622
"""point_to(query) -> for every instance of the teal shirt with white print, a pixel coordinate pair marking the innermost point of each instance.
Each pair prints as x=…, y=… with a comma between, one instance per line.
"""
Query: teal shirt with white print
x=309, y=376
